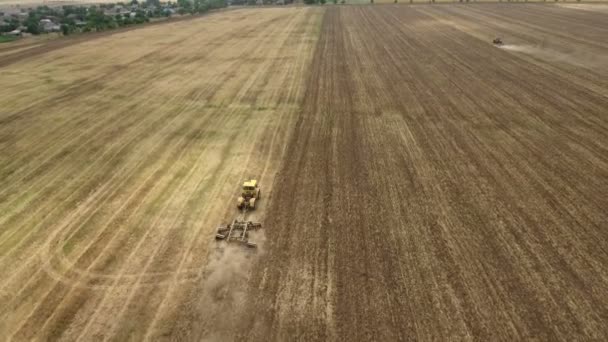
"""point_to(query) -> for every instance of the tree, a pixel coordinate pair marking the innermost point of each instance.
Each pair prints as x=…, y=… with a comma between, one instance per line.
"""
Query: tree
x=184, y=3
x=33, y=23
x=201, y=6
x=33, y=28
x=65, y=29
x=10, y=25
x=216, y=4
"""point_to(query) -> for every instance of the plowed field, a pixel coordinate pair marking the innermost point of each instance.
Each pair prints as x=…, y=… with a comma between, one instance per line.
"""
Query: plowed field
x=419, y=183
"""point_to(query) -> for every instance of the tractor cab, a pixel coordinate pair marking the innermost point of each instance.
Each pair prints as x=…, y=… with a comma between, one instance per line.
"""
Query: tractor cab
x=249, y=188
x=251, y=193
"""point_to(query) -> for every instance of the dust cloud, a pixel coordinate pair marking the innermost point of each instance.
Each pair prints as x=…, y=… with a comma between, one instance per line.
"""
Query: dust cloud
x=586, y=7
x=577, y=58
x=224, y=287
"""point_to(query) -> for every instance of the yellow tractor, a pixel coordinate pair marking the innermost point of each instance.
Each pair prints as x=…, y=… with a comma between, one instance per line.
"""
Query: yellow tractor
x=251, y=193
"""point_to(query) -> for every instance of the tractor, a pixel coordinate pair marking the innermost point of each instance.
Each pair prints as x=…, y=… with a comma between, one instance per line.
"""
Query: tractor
x=251, y=193
x=497, y=41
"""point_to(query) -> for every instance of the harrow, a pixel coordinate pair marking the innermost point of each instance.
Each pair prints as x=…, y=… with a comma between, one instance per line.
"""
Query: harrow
x=238, y=231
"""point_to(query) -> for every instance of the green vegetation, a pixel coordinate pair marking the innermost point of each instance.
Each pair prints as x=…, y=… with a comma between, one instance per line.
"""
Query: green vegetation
x=6, y=39
x=70, y=19
x=9, y=25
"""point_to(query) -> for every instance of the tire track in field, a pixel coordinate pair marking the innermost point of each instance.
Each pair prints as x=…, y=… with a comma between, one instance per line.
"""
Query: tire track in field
x=60, y=287
x=83, y=174
x=122, y=149
x=133, y=125
x=277, y=259
x=210, y=116
x=242, y=95
x=185, y=315
x=45, y=246
x=118, y=281
x=104, y=189
x=84, y=134
x=262, y=70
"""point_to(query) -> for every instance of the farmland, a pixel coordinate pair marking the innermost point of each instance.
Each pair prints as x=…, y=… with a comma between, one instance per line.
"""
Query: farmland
x=419, y=182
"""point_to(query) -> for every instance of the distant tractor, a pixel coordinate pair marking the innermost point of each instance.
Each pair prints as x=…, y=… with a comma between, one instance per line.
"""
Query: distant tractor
x=497, y=41
x=251, y=193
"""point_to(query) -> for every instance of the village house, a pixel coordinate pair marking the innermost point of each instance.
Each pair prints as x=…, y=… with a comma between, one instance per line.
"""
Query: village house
x=48, y=25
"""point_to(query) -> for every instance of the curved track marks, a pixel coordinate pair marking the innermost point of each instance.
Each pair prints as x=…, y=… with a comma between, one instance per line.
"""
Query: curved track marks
x=116, y=178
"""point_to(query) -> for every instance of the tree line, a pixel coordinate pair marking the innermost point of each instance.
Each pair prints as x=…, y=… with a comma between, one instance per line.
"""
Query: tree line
x=71, y=18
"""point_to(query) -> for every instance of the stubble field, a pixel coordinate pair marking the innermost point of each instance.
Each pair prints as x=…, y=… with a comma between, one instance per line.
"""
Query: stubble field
x=419, y=182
